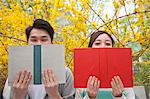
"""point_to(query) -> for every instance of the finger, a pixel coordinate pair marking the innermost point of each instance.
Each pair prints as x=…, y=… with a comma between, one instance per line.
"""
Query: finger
x=46, y=77
x=51, y=80
x=49, y=72
x=46, y=81
x=26, y=78
x=23, y=73
x=29, y=80
x=92, y=83
x=95, y=82
x=116, y=80
x=98, y=84
x=17, y=78
x=121, y=84
x=114, y=90
x=89, y=82
x=113, y=84
x=54, y=77
x=43, y=77
x=92, y=80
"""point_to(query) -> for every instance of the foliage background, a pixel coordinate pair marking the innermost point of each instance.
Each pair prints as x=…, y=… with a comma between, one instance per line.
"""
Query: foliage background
x=74, y=21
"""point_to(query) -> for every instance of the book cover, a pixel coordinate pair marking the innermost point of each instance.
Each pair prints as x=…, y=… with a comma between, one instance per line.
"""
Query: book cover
x=36, y=58
x=104, y=63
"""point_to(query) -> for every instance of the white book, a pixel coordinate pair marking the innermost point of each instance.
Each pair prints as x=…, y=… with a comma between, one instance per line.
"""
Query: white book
x=36, y=58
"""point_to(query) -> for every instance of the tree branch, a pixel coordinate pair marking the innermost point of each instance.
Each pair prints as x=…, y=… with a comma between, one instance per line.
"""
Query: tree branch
x=129, y=20
x=11, y=37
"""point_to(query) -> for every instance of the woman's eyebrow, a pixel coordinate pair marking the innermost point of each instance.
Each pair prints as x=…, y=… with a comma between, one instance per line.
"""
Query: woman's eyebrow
x=108, y=40
x=32, y=36
x=98, y=40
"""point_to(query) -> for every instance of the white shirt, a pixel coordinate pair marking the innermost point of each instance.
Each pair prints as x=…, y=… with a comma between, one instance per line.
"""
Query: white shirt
x=66, y=90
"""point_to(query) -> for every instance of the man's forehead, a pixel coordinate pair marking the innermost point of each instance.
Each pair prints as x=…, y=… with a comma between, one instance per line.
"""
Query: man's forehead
x=38, y=36
x=39, y=32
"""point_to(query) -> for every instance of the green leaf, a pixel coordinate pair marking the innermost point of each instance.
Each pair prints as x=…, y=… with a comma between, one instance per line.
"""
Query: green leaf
x=136, y=46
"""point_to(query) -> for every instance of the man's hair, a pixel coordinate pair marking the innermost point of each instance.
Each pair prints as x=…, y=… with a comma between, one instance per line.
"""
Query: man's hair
x=40, y=24
x=96, y=34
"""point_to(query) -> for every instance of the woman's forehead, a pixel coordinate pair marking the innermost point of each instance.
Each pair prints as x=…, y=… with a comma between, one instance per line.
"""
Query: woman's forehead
x=103, y=37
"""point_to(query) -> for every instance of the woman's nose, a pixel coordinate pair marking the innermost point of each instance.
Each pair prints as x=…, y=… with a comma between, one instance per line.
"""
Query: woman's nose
x=103, y=45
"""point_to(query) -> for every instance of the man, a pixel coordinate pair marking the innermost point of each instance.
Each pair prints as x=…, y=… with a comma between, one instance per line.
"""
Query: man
x=40, y=33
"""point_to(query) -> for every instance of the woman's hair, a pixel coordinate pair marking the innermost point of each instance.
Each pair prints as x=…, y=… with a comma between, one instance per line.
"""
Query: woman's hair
x=96, y=34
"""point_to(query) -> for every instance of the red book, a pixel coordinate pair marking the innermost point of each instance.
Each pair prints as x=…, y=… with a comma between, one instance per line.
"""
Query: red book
x=104, y=63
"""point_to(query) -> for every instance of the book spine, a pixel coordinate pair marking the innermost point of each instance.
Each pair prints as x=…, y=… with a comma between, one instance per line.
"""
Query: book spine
x=37, y=64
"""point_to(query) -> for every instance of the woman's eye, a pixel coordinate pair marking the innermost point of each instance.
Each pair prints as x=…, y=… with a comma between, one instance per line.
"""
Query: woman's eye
x=97, y=43
x=108, y=44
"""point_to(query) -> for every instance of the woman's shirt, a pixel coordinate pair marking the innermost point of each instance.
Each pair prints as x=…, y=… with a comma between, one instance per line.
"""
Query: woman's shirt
x=128, y=93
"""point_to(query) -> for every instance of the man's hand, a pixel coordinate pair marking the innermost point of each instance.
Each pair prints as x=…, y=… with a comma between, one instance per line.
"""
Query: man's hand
x=117, y=86
x=50, y=84
x=92, y=87
x=20, y=85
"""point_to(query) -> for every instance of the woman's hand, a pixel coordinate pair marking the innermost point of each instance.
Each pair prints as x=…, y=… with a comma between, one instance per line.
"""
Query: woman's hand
x=117, y=86
x=92, y=87
x=50, y=84
x=20, y=85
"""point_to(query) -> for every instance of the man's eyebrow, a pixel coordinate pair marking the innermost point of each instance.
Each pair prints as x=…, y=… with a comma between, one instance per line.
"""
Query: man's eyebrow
x=44, y=36
x=36, y=37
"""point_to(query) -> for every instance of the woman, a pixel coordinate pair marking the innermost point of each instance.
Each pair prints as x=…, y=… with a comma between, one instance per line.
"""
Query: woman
x=102, y=39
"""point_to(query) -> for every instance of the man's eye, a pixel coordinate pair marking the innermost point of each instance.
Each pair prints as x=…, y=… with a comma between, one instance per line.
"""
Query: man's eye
x=33, y=40
x=44, y=40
